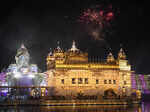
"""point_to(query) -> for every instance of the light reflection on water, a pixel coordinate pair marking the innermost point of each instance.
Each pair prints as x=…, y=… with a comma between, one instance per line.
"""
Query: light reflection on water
x=144, y=107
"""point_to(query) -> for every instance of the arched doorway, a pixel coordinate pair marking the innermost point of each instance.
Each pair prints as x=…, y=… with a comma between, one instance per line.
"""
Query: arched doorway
x=110, y=94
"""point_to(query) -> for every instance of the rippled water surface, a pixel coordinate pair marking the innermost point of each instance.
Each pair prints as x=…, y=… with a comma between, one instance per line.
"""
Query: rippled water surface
x=144, y=107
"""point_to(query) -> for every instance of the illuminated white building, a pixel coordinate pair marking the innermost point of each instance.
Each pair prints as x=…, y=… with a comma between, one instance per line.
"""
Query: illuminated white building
x=22, y=73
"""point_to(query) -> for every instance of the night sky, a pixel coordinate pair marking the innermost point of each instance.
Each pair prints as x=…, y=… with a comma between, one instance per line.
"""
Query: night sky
x=40, y=24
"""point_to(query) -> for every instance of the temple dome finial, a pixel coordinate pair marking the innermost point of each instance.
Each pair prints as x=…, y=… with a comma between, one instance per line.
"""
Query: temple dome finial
x=74, y=48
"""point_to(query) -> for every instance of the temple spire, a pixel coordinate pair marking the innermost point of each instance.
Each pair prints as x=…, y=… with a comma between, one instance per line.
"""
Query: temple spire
x=74, y=48
x=58, y=49
x=22, y=46
x=50, y=53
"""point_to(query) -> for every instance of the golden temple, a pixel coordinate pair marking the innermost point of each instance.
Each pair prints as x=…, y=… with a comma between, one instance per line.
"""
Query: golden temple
x=71, y=73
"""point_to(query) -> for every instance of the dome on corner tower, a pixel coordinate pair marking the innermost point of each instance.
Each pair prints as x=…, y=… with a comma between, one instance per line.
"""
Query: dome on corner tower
x=121, y=54
x=58, y=52
x=110, y=57
x=58, y=49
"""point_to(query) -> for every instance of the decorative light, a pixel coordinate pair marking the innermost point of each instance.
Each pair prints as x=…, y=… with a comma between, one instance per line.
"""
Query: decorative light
x=25, y=70
x=17, y=75
x=31, y=75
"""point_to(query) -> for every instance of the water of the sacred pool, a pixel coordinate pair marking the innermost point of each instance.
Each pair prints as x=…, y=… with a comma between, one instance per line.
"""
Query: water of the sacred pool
x=143, y=107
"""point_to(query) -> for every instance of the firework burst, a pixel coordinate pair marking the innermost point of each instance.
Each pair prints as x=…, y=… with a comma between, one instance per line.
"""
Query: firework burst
x=97, y=20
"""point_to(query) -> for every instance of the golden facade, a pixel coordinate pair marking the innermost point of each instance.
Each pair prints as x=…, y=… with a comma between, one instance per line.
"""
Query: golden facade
x=71, y=73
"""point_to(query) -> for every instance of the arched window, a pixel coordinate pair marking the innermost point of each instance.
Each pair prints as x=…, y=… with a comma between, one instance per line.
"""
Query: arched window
x=114, y=81
x=62, y=81
x=73, y=80
x=79, y=80
x=86, y=81
x=109, y=81
x=97, y=81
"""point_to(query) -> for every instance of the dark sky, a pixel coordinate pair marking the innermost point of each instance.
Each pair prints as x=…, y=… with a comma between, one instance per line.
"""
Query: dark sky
x=40, y=24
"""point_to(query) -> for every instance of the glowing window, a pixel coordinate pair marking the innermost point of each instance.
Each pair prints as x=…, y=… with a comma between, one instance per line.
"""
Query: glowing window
x=86, y=81
x=73, y=80
x=114, y=81
x=79, y=80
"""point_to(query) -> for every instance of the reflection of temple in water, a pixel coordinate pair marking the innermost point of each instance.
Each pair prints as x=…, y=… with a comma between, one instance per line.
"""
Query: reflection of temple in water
x=145, y=107
x=106, y=108
x=141, y=82
x=71, y=73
